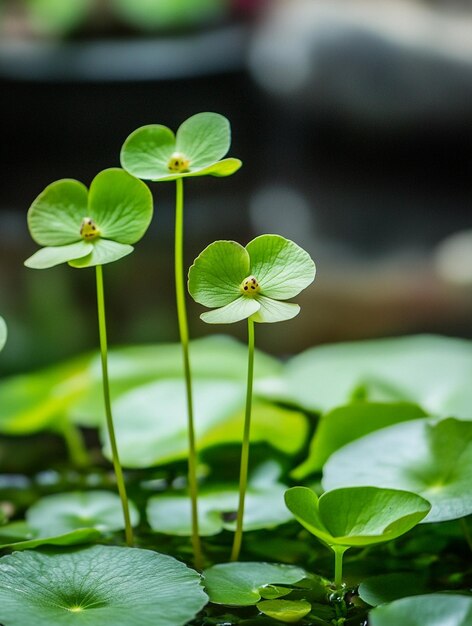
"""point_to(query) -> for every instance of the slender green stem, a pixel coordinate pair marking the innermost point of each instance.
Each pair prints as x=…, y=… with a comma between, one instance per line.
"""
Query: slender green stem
x=75, y=444
x=184, y=340
x=466, y=531
x=243, y=472
x=106, y=396
x=338, y=565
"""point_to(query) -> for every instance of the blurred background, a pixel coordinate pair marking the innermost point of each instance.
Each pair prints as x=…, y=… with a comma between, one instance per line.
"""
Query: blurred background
x=354, y=122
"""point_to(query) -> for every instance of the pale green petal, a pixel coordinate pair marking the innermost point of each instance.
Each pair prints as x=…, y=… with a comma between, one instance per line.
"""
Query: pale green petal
x=217, y=273
x=121, y=205
x=146, y=152
x=226, y=167
x=275, y=311
x=204, y=138
x=240, y=309
x=103, y=251
x=48, y=257
x=282, y=268
x=55, y=217
x=3, y=333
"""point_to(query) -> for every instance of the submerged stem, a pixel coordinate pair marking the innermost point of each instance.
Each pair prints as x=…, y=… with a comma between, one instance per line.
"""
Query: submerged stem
x=184, y=340
x=106, y=396
x=338, y=565
x=238, y=536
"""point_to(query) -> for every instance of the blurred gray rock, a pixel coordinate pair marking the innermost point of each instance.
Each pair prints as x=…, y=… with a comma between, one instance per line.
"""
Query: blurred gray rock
x=381, y=61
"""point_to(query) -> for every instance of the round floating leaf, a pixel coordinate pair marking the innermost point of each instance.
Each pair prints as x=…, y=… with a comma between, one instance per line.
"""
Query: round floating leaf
x=204, y=138
x=55, y=216
x=282, y=268
x=121, y=205
x=216, y=274
x=388, y=587
x=217, y=510
x=288, y=611
x=3, y=333
x=431, y=610
x=348, y=423
x=433, y=372
x=356, y=516
x=32, y=540
x=431, y=458
x=64, y=512
x=98, y=586
x=241, y=584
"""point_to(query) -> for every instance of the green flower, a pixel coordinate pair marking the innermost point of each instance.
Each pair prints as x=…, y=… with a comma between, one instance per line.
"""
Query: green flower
x=89, y=227
x=153, y=152
x=250, y=282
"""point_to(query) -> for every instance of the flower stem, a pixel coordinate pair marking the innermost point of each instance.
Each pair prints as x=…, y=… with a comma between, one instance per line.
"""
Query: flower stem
x=243, y=472
x=106, y=396
x=184, y=340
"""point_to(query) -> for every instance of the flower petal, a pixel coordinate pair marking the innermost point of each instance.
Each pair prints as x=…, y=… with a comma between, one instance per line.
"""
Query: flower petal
x=275, y=311
x=103, y=251
x=217, y=273
x=282, y=268
x=49, y=257
x=237, y=310
x=121, y=205
x=55, y=217
x=226, y=167
x=204, y=138
x=146, y=152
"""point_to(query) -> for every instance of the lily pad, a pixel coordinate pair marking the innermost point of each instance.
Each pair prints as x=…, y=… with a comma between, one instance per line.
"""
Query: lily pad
x=151, y=421
x=288, y=611
x=348, y=423
x=75, y=537
x=432, y=458
x=433, y=372
x=356, y=516
x=433, y=609
x=98, y=586
x=264, y=508
x=65, y=512
x=242, y=584
x=388, y=587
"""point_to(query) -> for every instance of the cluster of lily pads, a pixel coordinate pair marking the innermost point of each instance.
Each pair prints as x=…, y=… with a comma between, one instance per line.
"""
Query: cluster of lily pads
x=344, y=447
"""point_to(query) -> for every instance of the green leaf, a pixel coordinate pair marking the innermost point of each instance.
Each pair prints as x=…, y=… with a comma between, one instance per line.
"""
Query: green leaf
x=226, y=167
x=103, y=252
x=98, y=586
x=151, y=421
x=431, y=610
x=240, y=309
x=3, y=333
x=282, y=268
x=217, y=510
x=204, y=138
x=55, y=17
x=65, y=512
x=121, y=205
x=433, y=372
x=49, y=257
x=147, y=151
x=149, y=14
x=388, y=587
x=431, y=458
x=54, y=218
x=288, y=611
x=73, y=538
x=348, y=423
x=217, y=273
x=241, y=584
x=274, y=311
x=356, y=516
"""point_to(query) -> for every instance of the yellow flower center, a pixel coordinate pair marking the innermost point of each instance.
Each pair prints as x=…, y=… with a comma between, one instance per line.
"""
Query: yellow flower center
x=250, y=287
x=178, y=162
x=89, y=229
